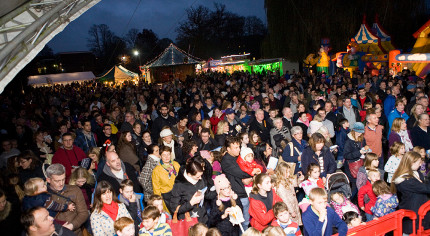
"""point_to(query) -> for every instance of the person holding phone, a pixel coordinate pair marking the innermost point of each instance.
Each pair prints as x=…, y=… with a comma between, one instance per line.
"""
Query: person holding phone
x=190, y=191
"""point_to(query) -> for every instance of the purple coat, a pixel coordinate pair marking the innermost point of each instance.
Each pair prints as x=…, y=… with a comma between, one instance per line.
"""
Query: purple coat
x=395, y=137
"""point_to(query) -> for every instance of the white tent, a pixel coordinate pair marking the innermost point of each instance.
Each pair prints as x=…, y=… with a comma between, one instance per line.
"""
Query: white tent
x=63, y=78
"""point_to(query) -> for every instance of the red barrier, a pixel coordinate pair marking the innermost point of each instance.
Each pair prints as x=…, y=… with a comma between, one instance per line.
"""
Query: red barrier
x=421, y=214
x=389, y=223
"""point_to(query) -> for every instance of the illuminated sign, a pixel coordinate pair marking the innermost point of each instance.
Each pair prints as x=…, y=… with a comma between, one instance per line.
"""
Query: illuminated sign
x=417, y=57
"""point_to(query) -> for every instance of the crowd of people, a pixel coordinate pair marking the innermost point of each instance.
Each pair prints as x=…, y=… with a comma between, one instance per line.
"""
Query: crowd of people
x=244, y=154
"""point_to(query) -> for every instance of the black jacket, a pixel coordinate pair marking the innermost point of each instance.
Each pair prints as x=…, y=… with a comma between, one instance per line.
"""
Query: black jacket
x=158, y=125
x=234, y=174
x=420, y=138
x=182, y=193
x=351, y=150
x=262, y=129
x=129, y=170
x=309, y=157
x=211, y=145
x=223, y=225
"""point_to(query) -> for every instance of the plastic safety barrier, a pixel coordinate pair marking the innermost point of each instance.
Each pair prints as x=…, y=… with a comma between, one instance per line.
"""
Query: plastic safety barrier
x=389, y=223
x=421, y=214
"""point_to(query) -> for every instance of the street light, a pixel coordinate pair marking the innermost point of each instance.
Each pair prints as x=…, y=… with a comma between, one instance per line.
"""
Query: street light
x=136, y=53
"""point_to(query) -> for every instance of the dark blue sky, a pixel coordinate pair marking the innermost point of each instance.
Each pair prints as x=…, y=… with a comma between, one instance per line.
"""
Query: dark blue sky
x=162, y=16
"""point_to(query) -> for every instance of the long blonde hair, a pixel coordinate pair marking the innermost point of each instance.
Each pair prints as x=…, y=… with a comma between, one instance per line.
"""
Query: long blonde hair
x=405, y=168
x=220, y=127
x=81, y=173
x=280, y=171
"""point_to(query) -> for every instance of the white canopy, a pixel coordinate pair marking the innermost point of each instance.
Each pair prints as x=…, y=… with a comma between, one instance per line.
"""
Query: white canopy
x=63, y=78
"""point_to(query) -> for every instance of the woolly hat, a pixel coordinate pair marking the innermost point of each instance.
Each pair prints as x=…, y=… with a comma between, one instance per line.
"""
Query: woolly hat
x=221, y=182
x=165, y=133
x=245, y=151
x=86, y=163
x=205, y=154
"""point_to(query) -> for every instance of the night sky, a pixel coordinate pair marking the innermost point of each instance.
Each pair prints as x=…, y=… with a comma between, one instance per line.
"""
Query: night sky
x=162, y=16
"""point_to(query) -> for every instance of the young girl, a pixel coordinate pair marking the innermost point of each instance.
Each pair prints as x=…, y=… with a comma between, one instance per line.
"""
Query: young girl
x=214, y=158
x=386, y=202
x=244, y=139
x=36, y=195
x=424, y=167
x=363, y=111
x=352, y=219
x=397, y=151
x=373, y=176
x=261, y=201
x=371, y=162
x=248, y=165
x=284, y=185
x=223, y=207
x=341, y=205
x=312, y=179
x=82, y=178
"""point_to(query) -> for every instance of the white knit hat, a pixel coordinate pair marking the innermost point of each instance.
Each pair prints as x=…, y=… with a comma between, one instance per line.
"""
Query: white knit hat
x=245, y=151
x=165, y=133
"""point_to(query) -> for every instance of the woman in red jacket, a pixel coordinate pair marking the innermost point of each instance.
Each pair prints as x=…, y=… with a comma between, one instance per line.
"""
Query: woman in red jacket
x=261, y=201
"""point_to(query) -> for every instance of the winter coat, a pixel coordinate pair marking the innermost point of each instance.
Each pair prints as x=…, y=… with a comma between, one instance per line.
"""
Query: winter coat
x=68, y=158
x=248, y=167
x=135, y=209
x=297, y=151
x=341, y=137
x=102, y=224
x=27, y=174
x=346, y=206
x=362, y=177
x=389, y=102
x=263, y=129
x=183, y=191
x=385, y=205
x=73, y=194
x=288, y=195
x=419, y=137
x=127, y=154
x=129, y=173
x=158, y=125
x=396, y=114
x=366, y=190
x=145, y=177
x=279, y=136
x=260, y=215
x=395, y=137
x=412, y=193
x=178, y=153
x=351, y=150
x=309, y=157
x=223, y=225
x=44, y=200
x=161, y=183
x=234, y=174
x=313, y=227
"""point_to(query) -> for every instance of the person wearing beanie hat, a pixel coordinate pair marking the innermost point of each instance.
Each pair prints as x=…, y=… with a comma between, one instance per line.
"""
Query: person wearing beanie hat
x=224, y=207
x=166, y=139
x=248, y=165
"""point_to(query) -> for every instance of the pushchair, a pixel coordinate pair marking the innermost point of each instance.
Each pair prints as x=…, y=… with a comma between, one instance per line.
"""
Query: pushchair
x=338, y=182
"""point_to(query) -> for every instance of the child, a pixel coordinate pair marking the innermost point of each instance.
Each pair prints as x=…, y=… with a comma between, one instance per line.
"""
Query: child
x=124, y=226
x=214, y=158
x=252, y=232
x=198, y=229
x=341, y=204
x=397, y=151
x=315, y=124
x=223, y=207
x=312, y=179
x=36, y=193
x=319, y=219
x=82, y=178
x=283, y=220
x=386, y=202
x=363, y=112
x=248, y=165
x=261, y=201
x=285, y=184
x=151, y=226
x=341, y=136
x=373, y=176
x=424, y=167
x=157, y=201
x=352, y=219
x=132, y=201
x=371, y=162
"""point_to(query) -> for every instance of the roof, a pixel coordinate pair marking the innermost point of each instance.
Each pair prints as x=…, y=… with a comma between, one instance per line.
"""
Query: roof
x=60, y=78
x=171, y=56
x=425, y=26
x=377, y=29
x=117, y=72
x=364, y=35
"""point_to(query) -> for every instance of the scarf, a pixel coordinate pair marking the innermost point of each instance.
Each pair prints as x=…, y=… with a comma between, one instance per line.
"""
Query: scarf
x=283, y=131
x=189, y=179
x=169, y=168
x=111, y=210
x=404, y=136
x=306, y=123
x=172, y=146
x=154, y=157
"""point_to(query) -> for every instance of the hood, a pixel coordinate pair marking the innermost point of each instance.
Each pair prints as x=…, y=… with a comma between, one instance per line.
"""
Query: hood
x=385, y=196
x=107, y=171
